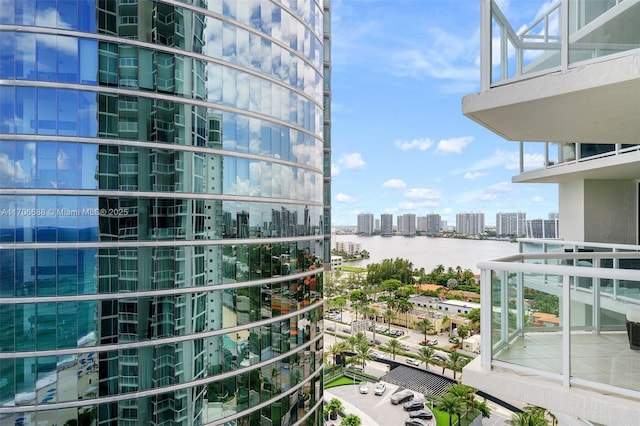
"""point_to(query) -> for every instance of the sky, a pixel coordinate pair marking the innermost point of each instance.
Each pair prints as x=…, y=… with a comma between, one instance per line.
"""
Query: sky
x=400, y=143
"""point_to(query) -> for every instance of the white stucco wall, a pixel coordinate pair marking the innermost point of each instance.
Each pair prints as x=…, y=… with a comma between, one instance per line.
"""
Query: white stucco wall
x=571, y=208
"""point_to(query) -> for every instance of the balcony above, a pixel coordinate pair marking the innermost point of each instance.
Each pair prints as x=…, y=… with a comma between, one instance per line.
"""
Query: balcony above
x=595, y=103
x=570, y=73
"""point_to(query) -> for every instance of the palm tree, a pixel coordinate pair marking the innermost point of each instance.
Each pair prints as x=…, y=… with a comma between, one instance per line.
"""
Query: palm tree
x=338, y=349
x=425, y=326
x=446, y=323
x=527, y=419
x=333, y=407
x=483, y=408
x=369, y=313
x=389, y=316
x=463, y=331
x=363, y=354
x=340, y=303
x=356, y=307
x=357, y=340
x=393, y=347
x=351, y=420
x=403, y=306
x=451, y=405
x=426, y=356
x=540, y=412
x=456, y=362
x=465, y=393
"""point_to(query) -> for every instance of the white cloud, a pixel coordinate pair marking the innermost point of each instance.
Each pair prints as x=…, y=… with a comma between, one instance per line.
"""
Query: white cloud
x=537, y=199
x=423, y=194
x=454, y=145
x=474, y=175
x=492, y=192
x=440, y=55
x=394, y=184
x=335, y=170
x=344, y=198
x=352, y=161
x=421, y=144
x=12, y=169
x=62, y=160
x=422, y=205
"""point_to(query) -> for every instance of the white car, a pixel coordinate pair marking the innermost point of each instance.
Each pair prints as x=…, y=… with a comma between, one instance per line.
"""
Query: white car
x=412, y=361
x=378, y=354
x=380, y=388
x=364, y=387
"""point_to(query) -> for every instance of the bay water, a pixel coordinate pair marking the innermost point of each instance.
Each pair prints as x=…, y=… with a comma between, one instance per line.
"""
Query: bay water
x=428, y=252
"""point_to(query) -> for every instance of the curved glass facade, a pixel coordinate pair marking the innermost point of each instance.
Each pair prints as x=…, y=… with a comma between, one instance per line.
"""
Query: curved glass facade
x=164, y=211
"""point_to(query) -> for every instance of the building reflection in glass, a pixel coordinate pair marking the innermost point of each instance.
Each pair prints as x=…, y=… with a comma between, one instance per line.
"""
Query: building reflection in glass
x=161, y=212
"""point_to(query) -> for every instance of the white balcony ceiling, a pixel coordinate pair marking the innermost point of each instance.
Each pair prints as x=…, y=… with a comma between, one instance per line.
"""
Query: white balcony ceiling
x=595, y=103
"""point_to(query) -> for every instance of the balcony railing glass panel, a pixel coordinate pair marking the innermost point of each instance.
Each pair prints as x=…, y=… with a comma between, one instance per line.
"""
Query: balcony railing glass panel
x=559, y=311
x=599, y=28
x=537, y=36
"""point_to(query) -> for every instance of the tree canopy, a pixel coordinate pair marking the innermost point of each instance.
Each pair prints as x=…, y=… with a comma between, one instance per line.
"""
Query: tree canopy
x=388, y=269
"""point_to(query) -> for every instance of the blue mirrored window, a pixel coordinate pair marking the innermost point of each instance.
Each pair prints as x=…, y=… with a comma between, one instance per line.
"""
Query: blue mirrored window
x=47, y=164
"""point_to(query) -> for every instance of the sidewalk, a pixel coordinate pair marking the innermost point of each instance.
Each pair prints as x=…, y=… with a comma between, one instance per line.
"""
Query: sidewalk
x=349, y=408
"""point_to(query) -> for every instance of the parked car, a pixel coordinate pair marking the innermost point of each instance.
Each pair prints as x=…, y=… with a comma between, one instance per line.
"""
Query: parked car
x=378, y=354
x=401, y=396
x=440, y=357
x=412, y=361
x=416, y=422
x=374, y=342
x=433, y=342
x=424, y=413
x=404, y=347
x=346, y=330
x=454, y=340
x=413, y=405
x=380, y=388
x=364, y=387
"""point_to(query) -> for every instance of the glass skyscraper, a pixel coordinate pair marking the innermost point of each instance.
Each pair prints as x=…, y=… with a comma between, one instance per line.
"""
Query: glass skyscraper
x=164, y=208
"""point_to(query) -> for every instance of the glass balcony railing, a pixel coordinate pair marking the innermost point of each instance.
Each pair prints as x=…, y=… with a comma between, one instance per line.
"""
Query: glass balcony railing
x=536, y=155
x=535, y=36
x=559, y=309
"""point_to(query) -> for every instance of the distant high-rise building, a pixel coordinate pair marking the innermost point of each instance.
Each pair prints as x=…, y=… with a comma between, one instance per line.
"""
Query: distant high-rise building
x=434, y=224
x=376, y=227
x=165, y=211
x=510, y=224
x=407, y=225
x=365, y=224
x=421, y=223
x=470, y=223
x=348, y=247
x=554, y=216
x=386, y=224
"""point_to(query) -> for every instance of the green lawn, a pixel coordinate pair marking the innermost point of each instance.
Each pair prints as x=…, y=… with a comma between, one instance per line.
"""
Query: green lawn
x=353, y=269
x=340, y=381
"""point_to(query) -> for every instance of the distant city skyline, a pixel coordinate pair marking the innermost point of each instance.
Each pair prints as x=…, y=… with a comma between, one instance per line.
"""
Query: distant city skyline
x=552, y=215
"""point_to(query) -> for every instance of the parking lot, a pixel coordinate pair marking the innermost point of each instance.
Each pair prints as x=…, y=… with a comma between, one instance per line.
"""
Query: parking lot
x=373, y=410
